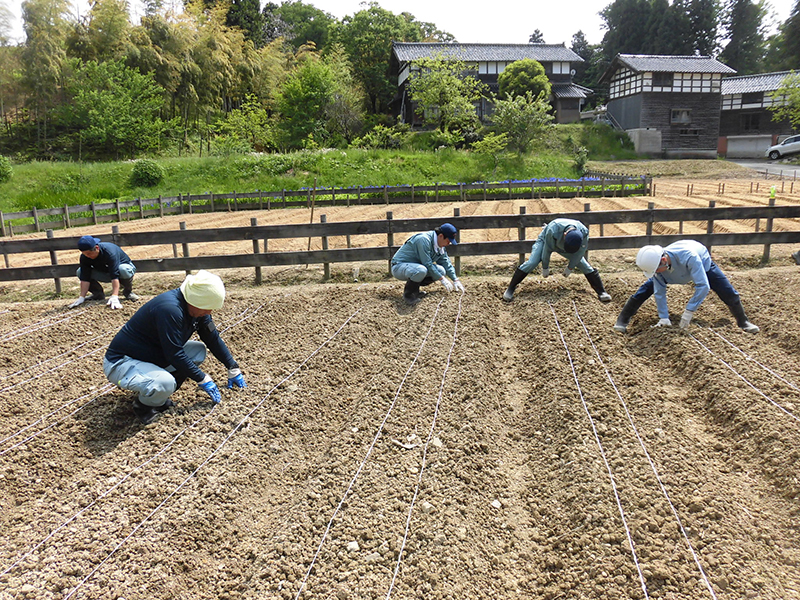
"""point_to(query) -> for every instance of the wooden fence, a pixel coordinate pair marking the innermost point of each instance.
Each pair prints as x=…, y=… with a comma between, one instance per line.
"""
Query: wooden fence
x=763, y=234
x=117, y=211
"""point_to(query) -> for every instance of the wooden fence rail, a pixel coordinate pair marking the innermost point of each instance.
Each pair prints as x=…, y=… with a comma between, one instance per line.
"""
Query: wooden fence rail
x=123, y=210
x=391, y=226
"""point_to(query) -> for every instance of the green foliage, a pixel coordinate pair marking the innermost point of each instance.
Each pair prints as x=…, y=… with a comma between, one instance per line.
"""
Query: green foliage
x=523, y=119
x=305, y=23
x=581, y=156
x=522, y=77
x=744, y=21
x=384, y=137
x=249, y=125
x=787, y=101
x=146, y=173
x=6, y=170
x=445, y=94
x=492, y=145
x=302, y=102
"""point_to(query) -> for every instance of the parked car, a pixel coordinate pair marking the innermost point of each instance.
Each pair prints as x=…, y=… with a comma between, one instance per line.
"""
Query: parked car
x=790, y=145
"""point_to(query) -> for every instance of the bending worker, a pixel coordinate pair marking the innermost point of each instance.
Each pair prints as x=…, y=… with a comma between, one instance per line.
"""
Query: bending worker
x=152, y=354
x=570, y=239
x=423, y=259
x=104, y=261
x=678, y=263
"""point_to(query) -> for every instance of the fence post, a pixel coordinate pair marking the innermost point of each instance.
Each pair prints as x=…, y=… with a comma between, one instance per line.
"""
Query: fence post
x=587, y=207
x=603, y=186
x=160, y=206
x=412, y=193
x=2, y=224
x=253, y=223
x=358, y=196
x=141, y=208
x=326, y=267
x=283, y=197
x=235, y=203
x=180, y=202
x=36, y=219
x=650, y=207
x=390, y=238
x=115, y=234
x=260, y=200
x=557, y=192
x=182, y=225
x=710, y=222
x=211, y=200
x=521, y=233
x=189, y=202
x=94, y=213
x=54, y=261
x=484, y=191
x=385, y=196
x=765, y=257
x=457, y=213
x=119, y=213
x=66, y=217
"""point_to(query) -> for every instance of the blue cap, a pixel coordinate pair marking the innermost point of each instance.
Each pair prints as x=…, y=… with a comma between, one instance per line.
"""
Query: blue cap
x=87, y=242
x=449, y=231
x=573, y=241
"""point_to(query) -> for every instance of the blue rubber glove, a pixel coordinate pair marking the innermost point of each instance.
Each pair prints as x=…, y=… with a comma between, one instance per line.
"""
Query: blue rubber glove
x=235, y=379
x=210, y=388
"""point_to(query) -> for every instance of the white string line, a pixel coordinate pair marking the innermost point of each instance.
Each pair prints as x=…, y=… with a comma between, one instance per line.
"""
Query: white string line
x=36, y=327
x=101, y=392
x=366, y=456
x=39, y=364
x=647, y=455
x=750, y=358
x=52, y=370
x=208, y=458
x=602, y=453
x=104, y=494
x=425, y=451
x=744, y=379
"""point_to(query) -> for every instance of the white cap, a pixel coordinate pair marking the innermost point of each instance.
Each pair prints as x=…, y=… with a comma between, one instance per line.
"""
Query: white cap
x=649, y=259
x=204, y=290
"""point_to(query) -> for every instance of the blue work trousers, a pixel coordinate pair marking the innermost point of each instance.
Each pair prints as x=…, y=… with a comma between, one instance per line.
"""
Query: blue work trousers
x=717, y=281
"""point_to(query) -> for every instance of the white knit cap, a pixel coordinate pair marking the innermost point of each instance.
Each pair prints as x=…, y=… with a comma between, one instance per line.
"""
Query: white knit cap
x=204, y=290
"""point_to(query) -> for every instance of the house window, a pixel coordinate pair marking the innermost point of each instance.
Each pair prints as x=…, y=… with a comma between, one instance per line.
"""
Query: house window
x=750, y=122
x=662, y=79
x=753, y=98
x=690, y=131
x=681, y=116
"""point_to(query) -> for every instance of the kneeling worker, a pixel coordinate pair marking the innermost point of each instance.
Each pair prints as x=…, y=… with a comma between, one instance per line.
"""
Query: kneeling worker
x=568, y=237
x=678, y=263
x=152, y=355
x=423, y=259
x=104, y=261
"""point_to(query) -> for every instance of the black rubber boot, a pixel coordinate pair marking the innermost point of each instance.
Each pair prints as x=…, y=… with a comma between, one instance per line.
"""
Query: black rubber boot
x=147, y=414
x=597, y=285
x=427, y=281
x=631, y=308
x=127, y=289
x=97, y=291
x=737, y=310
x=410, y=292
x=516, y=278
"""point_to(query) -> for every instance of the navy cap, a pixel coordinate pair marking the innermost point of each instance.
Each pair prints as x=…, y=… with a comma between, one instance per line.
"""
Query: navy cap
x=573, y=241
x=87, y=242
x=449, y=231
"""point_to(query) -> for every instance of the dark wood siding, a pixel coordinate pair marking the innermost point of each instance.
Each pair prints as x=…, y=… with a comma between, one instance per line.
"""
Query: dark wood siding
x=743, y=122
x=627, y=111
x=702, y=132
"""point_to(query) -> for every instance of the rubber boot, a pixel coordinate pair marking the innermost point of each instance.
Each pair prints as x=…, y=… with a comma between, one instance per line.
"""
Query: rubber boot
x=427, y=281
x=597, y=286
x=97, y=291
x=737, y=310
x=410, y=292
x=796, y=257
x=631, y=308
x=127, y=289
x=518, y=276
x=147, y=414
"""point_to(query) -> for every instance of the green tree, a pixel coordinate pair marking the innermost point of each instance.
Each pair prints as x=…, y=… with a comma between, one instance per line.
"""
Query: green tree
x=444, y=92
x=367, y=36
x=42, y=57
x=306, y=24
x=523, y=119
x=521, y=77
x=493, y=145
x=251, y=123
x=302, y=102
x=105, y=34
x=746, y=47
x=6, y=20
x=704, y=23
x=783, y=52
x=115, y=108
x=623, y=19
x=787, y=101
x=537, y=37
x=345, y=110
x=247, y=16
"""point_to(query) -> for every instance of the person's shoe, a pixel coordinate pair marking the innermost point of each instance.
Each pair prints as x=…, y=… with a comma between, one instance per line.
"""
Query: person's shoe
x=145, y=414
x=132, y=297
x=96, y=291
x=796, y=257
x=508, y=295
x=604, y=297
x=620, y=328
x=167, y=405
x=748, y=327
x=421, y=295
x=410, y=293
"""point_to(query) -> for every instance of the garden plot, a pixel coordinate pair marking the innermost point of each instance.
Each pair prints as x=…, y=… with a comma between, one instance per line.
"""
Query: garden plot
x=462, y=448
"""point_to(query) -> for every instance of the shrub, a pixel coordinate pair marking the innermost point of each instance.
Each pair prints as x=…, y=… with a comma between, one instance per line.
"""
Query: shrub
x=146, y=173
x=5, y=169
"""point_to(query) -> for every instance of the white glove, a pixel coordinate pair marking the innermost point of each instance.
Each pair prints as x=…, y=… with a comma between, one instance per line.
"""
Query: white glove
x=567, y=271
x=663, y=323
x=686, y=318
x=78, y=302
x=546, y=272
x=113, y=302
x=459, y=287
x=446, y=283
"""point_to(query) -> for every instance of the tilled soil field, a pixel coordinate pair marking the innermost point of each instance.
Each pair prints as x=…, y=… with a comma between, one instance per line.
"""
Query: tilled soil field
x=463, y=448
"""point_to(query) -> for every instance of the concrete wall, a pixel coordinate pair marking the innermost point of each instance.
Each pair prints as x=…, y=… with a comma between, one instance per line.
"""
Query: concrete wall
x=646, y=141
x=747, y=146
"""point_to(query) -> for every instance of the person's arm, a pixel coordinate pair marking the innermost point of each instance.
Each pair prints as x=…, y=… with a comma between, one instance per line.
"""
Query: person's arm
x=660, y=293
x=701, y=286
x=169, y=325
x=423, y=251
x=208, y=333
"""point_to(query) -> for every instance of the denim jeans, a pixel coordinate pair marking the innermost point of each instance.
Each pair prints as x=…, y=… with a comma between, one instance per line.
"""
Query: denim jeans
x=154, y=384
x=414, y=271
x=126, y=271
x=717, y=281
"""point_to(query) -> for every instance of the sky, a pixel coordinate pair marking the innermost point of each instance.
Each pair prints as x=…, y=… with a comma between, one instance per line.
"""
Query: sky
x=498, y=21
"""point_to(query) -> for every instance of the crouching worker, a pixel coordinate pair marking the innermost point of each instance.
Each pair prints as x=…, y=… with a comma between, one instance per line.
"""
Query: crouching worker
x=423, y=259
x=152, y=354
x=679, y=263
x=570, y=239
x=104, y=261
